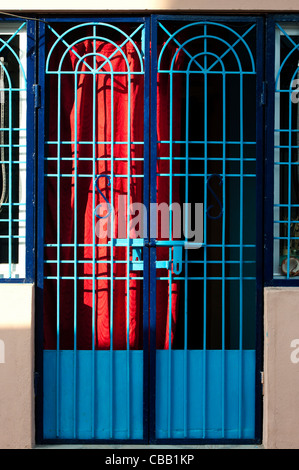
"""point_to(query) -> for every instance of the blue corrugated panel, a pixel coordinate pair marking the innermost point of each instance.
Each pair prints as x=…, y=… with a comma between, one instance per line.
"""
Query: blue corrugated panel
x=211, y=414
x=104, y=424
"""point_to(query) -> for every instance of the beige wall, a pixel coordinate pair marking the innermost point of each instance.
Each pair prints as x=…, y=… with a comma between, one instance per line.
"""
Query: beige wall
x=281, y=377
x=16, y=366
x=281, y=368
x=137, y=5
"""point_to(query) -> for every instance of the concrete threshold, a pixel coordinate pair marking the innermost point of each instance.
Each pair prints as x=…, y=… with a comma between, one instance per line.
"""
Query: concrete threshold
x=147, y=447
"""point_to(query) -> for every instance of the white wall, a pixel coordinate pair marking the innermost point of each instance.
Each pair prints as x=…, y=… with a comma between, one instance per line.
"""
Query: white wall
x=137, y=5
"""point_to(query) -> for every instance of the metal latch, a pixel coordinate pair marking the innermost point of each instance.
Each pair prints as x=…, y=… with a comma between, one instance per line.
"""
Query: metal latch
x=176, y=253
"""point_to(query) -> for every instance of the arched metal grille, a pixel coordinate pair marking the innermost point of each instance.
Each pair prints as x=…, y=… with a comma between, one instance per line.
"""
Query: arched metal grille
x=211, y=71
x=144, y=337
x=13, y=94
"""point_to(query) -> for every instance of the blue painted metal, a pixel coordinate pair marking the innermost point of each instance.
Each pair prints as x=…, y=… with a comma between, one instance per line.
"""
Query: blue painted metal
x=31, y=154
x=172, y=390
x=172, y=402
x=92, y=420
x=41, y=218
x=213, y=417
x=126, y=371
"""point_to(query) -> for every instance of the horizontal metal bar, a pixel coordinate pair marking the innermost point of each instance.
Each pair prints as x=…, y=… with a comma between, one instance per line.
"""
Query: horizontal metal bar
x=8, y=237
x=218, y=159
x=13, y=145
x=82, y=175
x=220, y=142
x=92, y=72
x=13, y=204
x=88, y=159
x=12, y=220
x=137, y=242
x=285, y=205
x=90, y=142
x=209, y=278
x=71, y=261
x=13, y=162
x=285, y=222
x=285, y=238
x=205, y=72
x=227, y=175
x=140, y=278
x=90, y=278
x=171, y=243
x=17, y=129
x=13, y=89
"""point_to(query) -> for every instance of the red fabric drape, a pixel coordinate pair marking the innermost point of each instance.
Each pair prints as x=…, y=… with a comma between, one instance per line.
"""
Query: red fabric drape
x=81, y=122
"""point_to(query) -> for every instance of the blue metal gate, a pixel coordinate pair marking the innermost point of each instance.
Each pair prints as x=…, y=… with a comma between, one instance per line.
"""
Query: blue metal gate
x=151, y=234
x=206, y=375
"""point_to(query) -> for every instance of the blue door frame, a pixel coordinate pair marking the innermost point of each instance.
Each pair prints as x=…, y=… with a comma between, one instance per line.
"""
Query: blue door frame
x=152, y=363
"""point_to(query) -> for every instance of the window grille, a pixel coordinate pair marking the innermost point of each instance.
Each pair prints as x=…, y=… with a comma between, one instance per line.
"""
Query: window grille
x=286, y=152
x=13, y=39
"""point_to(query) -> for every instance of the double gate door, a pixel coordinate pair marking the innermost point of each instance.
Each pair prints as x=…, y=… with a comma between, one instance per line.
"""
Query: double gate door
x=151, y=196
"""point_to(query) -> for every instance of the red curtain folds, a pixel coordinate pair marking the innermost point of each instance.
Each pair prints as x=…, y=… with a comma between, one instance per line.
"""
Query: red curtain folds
x=81, y=122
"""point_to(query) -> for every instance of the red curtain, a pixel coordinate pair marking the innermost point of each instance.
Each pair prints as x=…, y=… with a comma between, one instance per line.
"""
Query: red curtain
x=85, y=110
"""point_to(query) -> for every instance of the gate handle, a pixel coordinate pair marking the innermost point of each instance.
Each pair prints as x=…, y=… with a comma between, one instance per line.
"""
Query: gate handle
x=177, y=250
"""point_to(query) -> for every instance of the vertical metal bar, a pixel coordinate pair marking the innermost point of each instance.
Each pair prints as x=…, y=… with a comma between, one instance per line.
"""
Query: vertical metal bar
x=146, y=190
x=205, y=229
x=111, y=257
x=241, y=253
x=276, y=157
x=30, y=136
x=260, y=249
x=94, y=109
x=186, y=254
x=289, y=187
x=75, y=211
x=58, y=258
x=170, y=254
x=2, y=142
x=223, y=244
x=10, y=166
x=23, y=210
x=41, y=184
x=152, y=251
x=128, y=251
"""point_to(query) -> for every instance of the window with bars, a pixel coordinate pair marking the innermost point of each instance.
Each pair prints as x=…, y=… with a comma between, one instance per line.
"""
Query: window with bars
x=286, y=152
x=13, y=92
